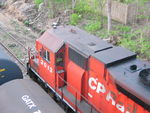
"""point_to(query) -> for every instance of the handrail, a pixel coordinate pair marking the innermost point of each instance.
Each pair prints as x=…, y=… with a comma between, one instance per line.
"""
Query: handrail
x=92, y=106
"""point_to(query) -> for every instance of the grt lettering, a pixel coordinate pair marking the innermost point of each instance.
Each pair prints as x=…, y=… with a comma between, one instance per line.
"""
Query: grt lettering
x=30, y=104
x=28, y=101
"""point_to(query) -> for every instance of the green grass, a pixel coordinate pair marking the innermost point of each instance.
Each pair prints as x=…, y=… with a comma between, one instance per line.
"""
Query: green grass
x=129, y=43
x=93, y=26
x=123, y=28
x=139, y=45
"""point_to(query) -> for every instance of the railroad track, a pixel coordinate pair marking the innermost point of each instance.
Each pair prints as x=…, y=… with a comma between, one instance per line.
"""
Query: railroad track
x=7, y=42
x=12, y=55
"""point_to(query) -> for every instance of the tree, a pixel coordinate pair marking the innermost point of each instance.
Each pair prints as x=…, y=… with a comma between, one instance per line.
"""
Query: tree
x=109, y=15
x=73, y=3
x=101, y=4
x=52, y=8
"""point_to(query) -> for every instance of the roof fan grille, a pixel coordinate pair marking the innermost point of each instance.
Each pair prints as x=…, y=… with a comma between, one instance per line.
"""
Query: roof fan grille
x=91, y=44
x=145, y=76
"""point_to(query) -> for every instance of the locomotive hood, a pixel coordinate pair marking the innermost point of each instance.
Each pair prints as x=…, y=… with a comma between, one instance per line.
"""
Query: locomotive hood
x=128, y=77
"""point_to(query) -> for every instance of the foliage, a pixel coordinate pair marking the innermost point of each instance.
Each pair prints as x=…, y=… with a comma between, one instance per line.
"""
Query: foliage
x=142, y=17
x=126, y=1
x=129, y=43
x=132, y=1
x=38, y=2
x=88, y=14
x=74, y=19
x=142, y=2
x=26, y=22
x=62, y=1
x=123, y=29
x=103, y=33
x=93, y=26
x=139, y=45
x=83, y=7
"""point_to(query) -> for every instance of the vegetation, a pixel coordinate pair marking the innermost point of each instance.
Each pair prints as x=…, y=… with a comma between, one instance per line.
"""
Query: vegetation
x=83, y=7
x=139, y=45
x=74, y=19
x=93, y=26
x=38, y=2
x=87, y=14
x=133, y=1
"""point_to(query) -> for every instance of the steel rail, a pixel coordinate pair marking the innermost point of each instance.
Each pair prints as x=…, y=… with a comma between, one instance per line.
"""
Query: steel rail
x=13, y=38
x=10, y=51
x=12, y=54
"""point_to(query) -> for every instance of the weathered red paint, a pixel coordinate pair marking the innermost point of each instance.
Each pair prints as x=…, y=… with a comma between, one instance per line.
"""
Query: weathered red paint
x=95, y=84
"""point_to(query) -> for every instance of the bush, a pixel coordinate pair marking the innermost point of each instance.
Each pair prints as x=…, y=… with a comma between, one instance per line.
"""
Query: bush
x=93, y=26
x=74, y=19
x=82, y=8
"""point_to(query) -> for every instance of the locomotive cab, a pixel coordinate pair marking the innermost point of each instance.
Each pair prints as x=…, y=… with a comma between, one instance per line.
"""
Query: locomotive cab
x=48, y=61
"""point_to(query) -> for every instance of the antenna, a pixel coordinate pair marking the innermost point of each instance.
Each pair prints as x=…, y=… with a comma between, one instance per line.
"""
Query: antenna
x=55, y=24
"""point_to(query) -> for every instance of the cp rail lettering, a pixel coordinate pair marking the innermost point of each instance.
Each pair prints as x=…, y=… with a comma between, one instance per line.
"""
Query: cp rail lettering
x=94, y=84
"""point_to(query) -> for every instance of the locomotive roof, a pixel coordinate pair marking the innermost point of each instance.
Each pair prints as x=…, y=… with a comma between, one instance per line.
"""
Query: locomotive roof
x=84, y=43
x=81, y=40
x=25, y=96
x=75, y=37
x=114, y=55
x=50, y=41
x=129, y=80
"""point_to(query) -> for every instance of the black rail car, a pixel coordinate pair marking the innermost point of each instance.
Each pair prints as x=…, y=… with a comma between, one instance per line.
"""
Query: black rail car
x=8, y=69
x=26, y=96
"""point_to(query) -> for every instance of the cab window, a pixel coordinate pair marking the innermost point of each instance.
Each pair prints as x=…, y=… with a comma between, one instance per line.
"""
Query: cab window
x=45, y=54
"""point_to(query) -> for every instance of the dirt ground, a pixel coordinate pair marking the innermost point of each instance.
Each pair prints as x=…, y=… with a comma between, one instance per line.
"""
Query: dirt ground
x=17, y=28
x=9, y=21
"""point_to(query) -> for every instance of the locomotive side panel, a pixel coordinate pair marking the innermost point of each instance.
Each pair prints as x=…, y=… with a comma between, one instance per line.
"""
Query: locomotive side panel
x=103, y=93
x=46, y=64
x=99, y=93
x=75, y=73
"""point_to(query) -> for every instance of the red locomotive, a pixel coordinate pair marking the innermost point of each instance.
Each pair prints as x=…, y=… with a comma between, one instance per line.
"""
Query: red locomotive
x=90, y=75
